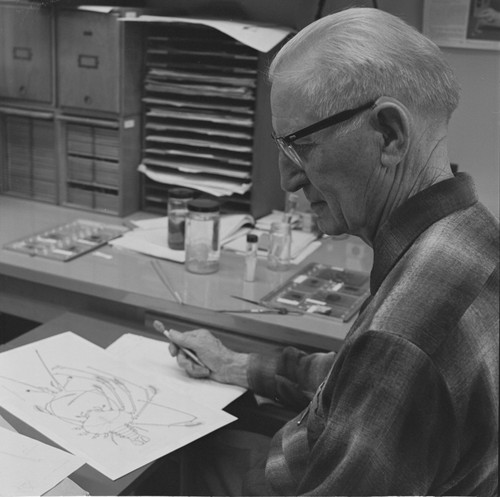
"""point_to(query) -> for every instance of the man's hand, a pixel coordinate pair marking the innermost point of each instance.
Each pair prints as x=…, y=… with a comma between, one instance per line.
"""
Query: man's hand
x=221, y=363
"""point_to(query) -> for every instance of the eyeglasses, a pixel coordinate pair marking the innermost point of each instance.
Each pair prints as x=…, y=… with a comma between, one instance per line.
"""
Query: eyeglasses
x=285, y=143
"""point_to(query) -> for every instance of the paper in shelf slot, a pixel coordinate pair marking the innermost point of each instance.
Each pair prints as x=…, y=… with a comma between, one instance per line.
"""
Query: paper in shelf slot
x=216, y=187
x=199, y=143
x=194, y=168
x=187, y=103
x=235, y=92
x=261, y=37
x=200, y=76
x=202, y=130
x=151, y=235
x=201, y=116
x=193, y=154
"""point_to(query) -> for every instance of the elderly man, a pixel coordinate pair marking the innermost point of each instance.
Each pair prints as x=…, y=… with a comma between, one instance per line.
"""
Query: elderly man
x=409, y=404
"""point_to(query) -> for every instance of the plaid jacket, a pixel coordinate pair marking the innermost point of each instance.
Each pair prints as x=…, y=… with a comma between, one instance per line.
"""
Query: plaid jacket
x=409, y=405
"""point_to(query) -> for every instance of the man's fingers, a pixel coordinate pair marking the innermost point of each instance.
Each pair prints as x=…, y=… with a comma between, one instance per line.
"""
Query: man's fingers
x=191, y=368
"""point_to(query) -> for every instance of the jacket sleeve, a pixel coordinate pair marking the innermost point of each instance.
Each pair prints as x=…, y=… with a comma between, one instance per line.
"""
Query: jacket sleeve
x=290, y=377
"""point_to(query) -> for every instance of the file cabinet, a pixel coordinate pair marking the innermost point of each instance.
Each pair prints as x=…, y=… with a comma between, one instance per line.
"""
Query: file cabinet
x=99, y=63
x=26, y=48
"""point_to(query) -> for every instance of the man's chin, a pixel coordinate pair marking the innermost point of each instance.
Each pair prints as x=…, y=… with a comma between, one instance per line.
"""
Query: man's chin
x=329, y=227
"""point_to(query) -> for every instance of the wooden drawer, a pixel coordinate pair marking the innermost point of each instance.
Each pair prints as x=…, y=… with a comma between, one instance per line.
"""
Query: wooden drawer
x=106, y=202
x=80, y=197
x=106, y=173
x=80, y=169
x=26, y=53
x=88, y=69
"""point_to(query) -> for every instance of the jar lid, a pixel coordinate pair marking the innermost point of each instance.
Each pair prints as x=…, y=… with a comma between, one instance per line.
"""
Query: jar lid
x=203, y=205
x=180, y=193
x=252, y=238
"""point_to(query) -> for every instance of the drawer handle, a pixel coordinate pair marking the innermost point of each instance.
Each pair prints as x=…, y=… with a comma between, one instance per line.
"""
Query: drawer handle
x=87, y=99
x=88, y=61
x=22, y=53
x=22, y=90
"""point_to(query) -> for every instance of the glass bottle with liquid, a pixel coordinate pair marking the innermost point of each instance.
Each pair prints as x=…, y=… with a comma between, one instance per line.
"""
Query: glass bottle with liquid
x=177, y=211
x=202, y=236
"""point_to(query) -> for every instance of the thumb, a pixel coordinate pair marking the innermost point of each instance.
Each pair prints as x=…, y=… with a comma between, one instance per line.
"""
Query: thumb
x=177, y=337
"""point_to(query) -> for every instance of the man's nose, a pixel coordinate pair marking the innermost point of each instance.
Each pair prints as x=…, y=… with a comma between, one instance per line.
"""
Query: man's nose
x=292, y=176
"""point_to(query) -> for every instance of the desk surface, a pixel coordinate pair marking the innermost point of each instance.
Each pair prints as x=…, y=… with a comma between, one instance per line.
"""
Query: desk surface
x=103, y=334
x=41, y=289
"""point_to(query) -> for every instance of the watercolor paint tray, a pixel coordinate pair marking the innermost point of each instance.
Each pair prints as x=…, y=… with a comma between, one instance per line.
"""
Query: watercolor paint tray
x=67, y=241
x=322, y=290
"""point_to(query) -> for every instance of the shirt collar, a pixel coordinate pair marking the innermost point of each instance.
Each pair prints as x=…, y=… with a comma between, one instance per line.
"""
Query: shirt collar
x=413, y=217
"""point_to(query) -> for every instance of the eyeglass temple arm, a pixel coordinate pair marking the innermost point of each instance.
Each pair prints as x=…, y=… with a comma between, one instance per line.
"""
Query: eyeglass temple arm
x=324, y=123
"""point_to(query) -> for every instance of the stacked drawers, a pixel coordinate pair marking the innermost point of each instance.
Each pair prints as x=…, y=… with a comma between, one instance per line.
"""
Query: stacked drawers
x=94, y=165
x=30, y=157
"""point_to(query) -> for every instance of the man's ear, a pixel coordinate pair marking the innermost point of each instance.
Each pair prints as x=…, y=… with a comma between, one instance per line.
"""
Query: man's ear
x=391, y=119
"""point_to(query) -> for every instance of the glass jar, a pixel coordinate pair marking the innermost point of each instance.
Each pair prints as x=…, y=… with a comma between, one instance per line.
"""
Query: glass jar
x=177, y=211
x=202, y=236
x=280, y=239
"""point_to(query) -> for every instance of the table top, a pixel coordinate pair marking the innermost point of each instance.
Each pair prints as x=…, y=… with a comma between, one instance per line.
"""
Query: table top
x=128, y=278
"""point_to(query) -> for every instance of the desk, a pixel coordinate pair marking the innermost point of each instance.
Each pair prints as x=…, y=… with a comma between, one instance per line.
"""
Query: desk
x=103, y=333
x=127, y=288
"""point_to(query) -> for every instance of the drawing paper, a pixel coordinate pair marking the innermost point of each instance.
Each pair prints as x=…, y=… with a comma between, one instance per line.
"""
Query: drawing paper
x=30, y=467
x=99, y=407
x=152, y=357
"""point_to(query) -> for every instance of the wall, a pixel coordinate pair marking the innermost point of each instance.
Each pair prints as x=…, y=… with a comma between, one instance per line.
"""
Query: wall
x=474, y=135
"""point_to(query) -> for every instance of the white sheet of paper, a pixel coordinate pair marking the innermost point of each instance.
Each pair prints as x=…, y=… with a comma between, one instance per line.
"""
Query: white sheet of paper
x=259, y=37
x=99, y=407
x=153, y=358
x=152, y=236
x=217, y=188
x=30, y=467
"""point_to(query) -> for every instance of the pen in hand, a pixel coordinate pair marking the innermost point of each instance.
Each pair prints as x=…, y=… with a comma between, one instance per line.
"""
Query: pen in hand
x=158, y=326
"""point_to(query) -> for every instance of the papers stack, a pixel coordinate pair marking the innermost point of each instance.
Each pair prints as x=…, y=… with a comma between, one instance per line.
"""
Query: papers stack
x=151, y=236
x=108, y=413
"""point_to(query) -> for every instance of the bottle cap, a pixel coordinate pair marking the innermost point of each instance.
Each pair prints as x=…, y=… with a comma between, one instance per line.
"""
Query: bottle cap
x=203, y=205
x=180, y=193
x=252, y=238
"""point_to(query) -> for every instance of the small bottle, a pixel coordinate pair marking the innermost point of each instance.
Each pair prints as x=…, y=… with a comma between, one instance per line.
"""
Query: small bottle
x=251, y=257
x=202, y=236
x=177, y=211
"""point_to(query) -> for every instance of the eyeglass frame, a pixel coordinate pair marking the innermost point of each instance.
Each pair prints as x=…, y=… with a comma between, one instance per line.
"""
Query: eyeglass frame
x=285, y=143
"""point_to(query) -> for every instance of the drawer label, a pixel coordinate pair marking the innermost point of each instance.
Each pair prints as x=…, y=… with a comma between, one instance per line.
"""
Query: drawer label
x=88, y=61
x=22, y=53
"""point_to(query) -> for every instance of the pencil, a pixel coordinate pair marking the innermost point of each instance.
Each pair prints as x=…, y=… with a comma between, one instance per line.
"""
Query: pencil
x=163, y=278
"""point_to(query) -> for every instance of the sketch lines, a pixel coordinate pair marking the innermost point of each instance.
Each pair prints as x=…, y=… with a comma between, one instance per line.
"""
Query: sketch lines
x=98, y=404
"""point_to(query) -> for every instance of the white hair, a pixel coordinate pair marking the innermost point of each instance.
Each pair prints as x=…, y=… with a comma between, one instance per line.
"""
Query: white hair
x=351, y=57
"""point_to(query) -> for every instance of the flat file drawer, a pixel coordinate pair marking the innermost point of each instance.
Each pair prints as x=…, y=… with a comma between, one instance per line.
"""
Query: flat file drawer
x=25, y=53
x=88, y=69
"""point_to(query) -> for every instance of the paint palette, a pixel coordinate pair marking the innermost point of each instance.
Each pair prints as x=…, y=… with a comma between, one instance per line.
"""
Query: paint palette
x=67, y=241
x=323, y=290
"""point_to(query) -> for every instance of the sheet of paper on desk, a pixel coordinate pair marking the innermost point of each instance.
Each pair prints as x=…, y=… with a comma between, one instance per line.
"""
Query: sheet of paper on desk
x=151, y=237
x=30, y=467
x=98, y=407
x=152, y=357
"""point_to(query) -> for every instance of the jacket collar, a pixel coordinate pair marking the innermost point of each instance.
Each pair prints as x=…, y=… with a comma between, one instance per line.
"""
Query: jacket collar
x=413, y=217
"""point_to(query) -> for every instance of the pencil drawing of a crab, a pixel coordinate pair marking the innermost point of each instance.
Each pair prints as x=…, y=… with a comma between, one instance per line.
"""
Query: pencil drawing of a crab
x=101, y=405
